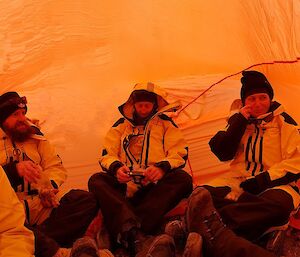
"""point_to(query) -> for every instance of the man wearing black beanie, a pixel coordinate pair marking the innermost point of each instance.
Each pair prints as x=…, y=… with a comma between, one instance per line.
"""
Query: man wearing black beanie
x=9, y=103
x=254, y=82
x=262, y=142
x=36, y=172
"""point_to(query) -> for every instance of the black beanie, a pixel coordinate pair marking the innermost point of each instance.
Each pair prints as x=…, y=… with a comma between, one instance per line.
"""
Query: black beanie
x=9, y=103
x=143, y=96
x=254, y=82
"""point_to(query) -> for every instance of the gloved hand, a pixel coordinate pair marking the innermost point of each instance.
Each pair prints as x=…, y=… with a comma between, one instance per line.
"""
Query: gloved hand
x=257, y=184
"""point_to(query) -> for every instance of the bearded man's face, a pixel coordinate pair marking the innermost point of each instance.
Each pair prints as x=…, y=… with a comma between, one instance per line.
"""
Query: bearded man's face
x=17, y=127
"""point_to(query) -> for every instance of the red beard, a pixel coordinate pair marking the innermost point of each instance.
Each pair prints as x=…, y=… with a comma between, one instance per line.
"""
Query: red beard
x=20, y=132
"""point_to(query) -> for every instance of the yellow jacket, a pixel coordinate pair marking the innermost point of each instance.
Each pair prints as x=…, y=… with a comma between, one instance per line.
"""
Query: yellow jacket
x=159, y=142
x=40, y=151
x=15, y=239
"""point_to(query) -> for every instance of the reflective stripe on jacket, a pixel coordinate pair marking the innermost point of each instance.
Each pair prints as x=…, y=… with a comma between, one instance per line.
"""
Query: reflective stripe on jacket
x=269, y=143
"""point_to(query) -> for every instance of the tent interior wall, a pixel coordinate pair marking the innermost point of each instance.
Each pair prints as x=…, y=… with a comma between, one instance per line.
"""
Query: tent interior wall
x=76, y=61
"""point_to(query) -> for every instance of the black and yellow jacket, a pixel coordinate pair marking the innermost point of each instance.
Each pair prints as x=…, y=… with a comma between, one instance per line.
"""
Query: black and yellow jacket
x=270, y=144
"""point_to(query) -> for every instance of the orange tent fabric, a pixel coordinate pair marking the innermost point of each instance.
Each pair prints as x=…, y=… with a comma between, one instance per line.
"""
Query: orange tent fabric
x=77, y=61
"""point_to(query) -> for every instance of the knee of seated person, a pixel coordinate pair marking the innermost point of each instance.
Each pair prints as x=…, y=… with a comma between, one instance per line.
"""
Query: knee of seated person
x=78, y=197
x=182, y=178
x=284, y=211
x=81, y=195
x=283, y=199
x=185, y=177
x=87, y=196
x=88, y=200
x=283, y=204
x=96, y=178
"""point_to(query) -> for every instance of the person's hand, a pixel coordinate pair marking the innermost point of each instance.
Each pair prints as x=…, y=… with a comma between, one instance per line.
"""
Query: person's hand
x=123, y=174
x=246, y=111
x=153, y=174
x=257, y=184
x=48, y=197
x=30, y=171
x=234, y=195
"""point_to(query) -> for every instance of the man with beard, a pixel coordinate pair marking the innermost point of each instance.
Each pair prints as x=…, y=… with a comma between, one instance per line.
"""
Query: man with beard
x=35, y=172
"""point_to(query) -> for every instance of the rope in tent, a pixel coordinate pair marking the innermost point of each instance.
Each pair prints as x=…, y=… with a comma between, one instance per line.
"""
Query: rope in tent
x=229, y=76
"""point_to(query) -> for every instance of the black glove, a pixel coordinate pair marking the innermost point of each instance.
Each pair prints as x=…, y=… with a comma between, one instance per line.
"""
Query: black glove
x=257, y=184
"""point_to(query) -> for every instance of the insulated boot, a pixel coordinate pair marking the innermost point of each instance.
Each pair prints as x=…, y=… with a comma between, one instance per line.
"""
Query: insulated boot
x=84, y=247
x=218, y=240
x=103, y=239
x=63, y=252
x=120, y=252
x=161, y=246
x=134, y=240
x=177, y=230
x=202, y=217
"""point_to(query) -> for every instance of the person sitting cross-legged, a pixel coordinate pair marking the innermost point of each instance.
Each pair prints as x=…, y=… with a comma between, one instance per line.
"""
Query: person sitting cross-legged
x=36, y=173
x=144, y=153
x=263, y=143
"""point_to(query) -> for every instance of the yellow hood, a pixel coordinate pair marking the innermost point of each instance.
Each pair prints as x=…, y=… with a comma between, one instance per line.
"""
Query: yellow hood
x=127, y=108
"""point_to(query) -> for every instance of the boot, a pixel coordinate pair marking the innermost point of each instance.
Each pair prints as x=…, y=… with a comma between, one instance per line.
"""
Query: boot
x=103, y=239
x=202, y=217
x=193, y=247
x=120, y=252
x=105, y=253
x=63, y=252
x=84, y=247
x=133, y=241
x=177, y=230
x=218, y=240
x=161, y=246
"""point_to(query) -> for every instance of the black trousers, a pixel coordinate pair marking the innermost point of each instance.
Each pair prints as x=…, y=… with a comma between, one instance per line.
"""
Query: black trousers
x=252, y=215
x=66, y=223
x=147, y=206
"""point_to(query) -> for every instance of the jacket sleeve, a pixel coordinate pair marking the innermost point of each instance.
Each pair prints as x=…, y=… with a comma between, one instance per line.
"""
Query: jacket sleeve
x=289, y=168
x=110, y=160
x=225, y=143
x=52, y=164
x=175, y=148
x=15, y=239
